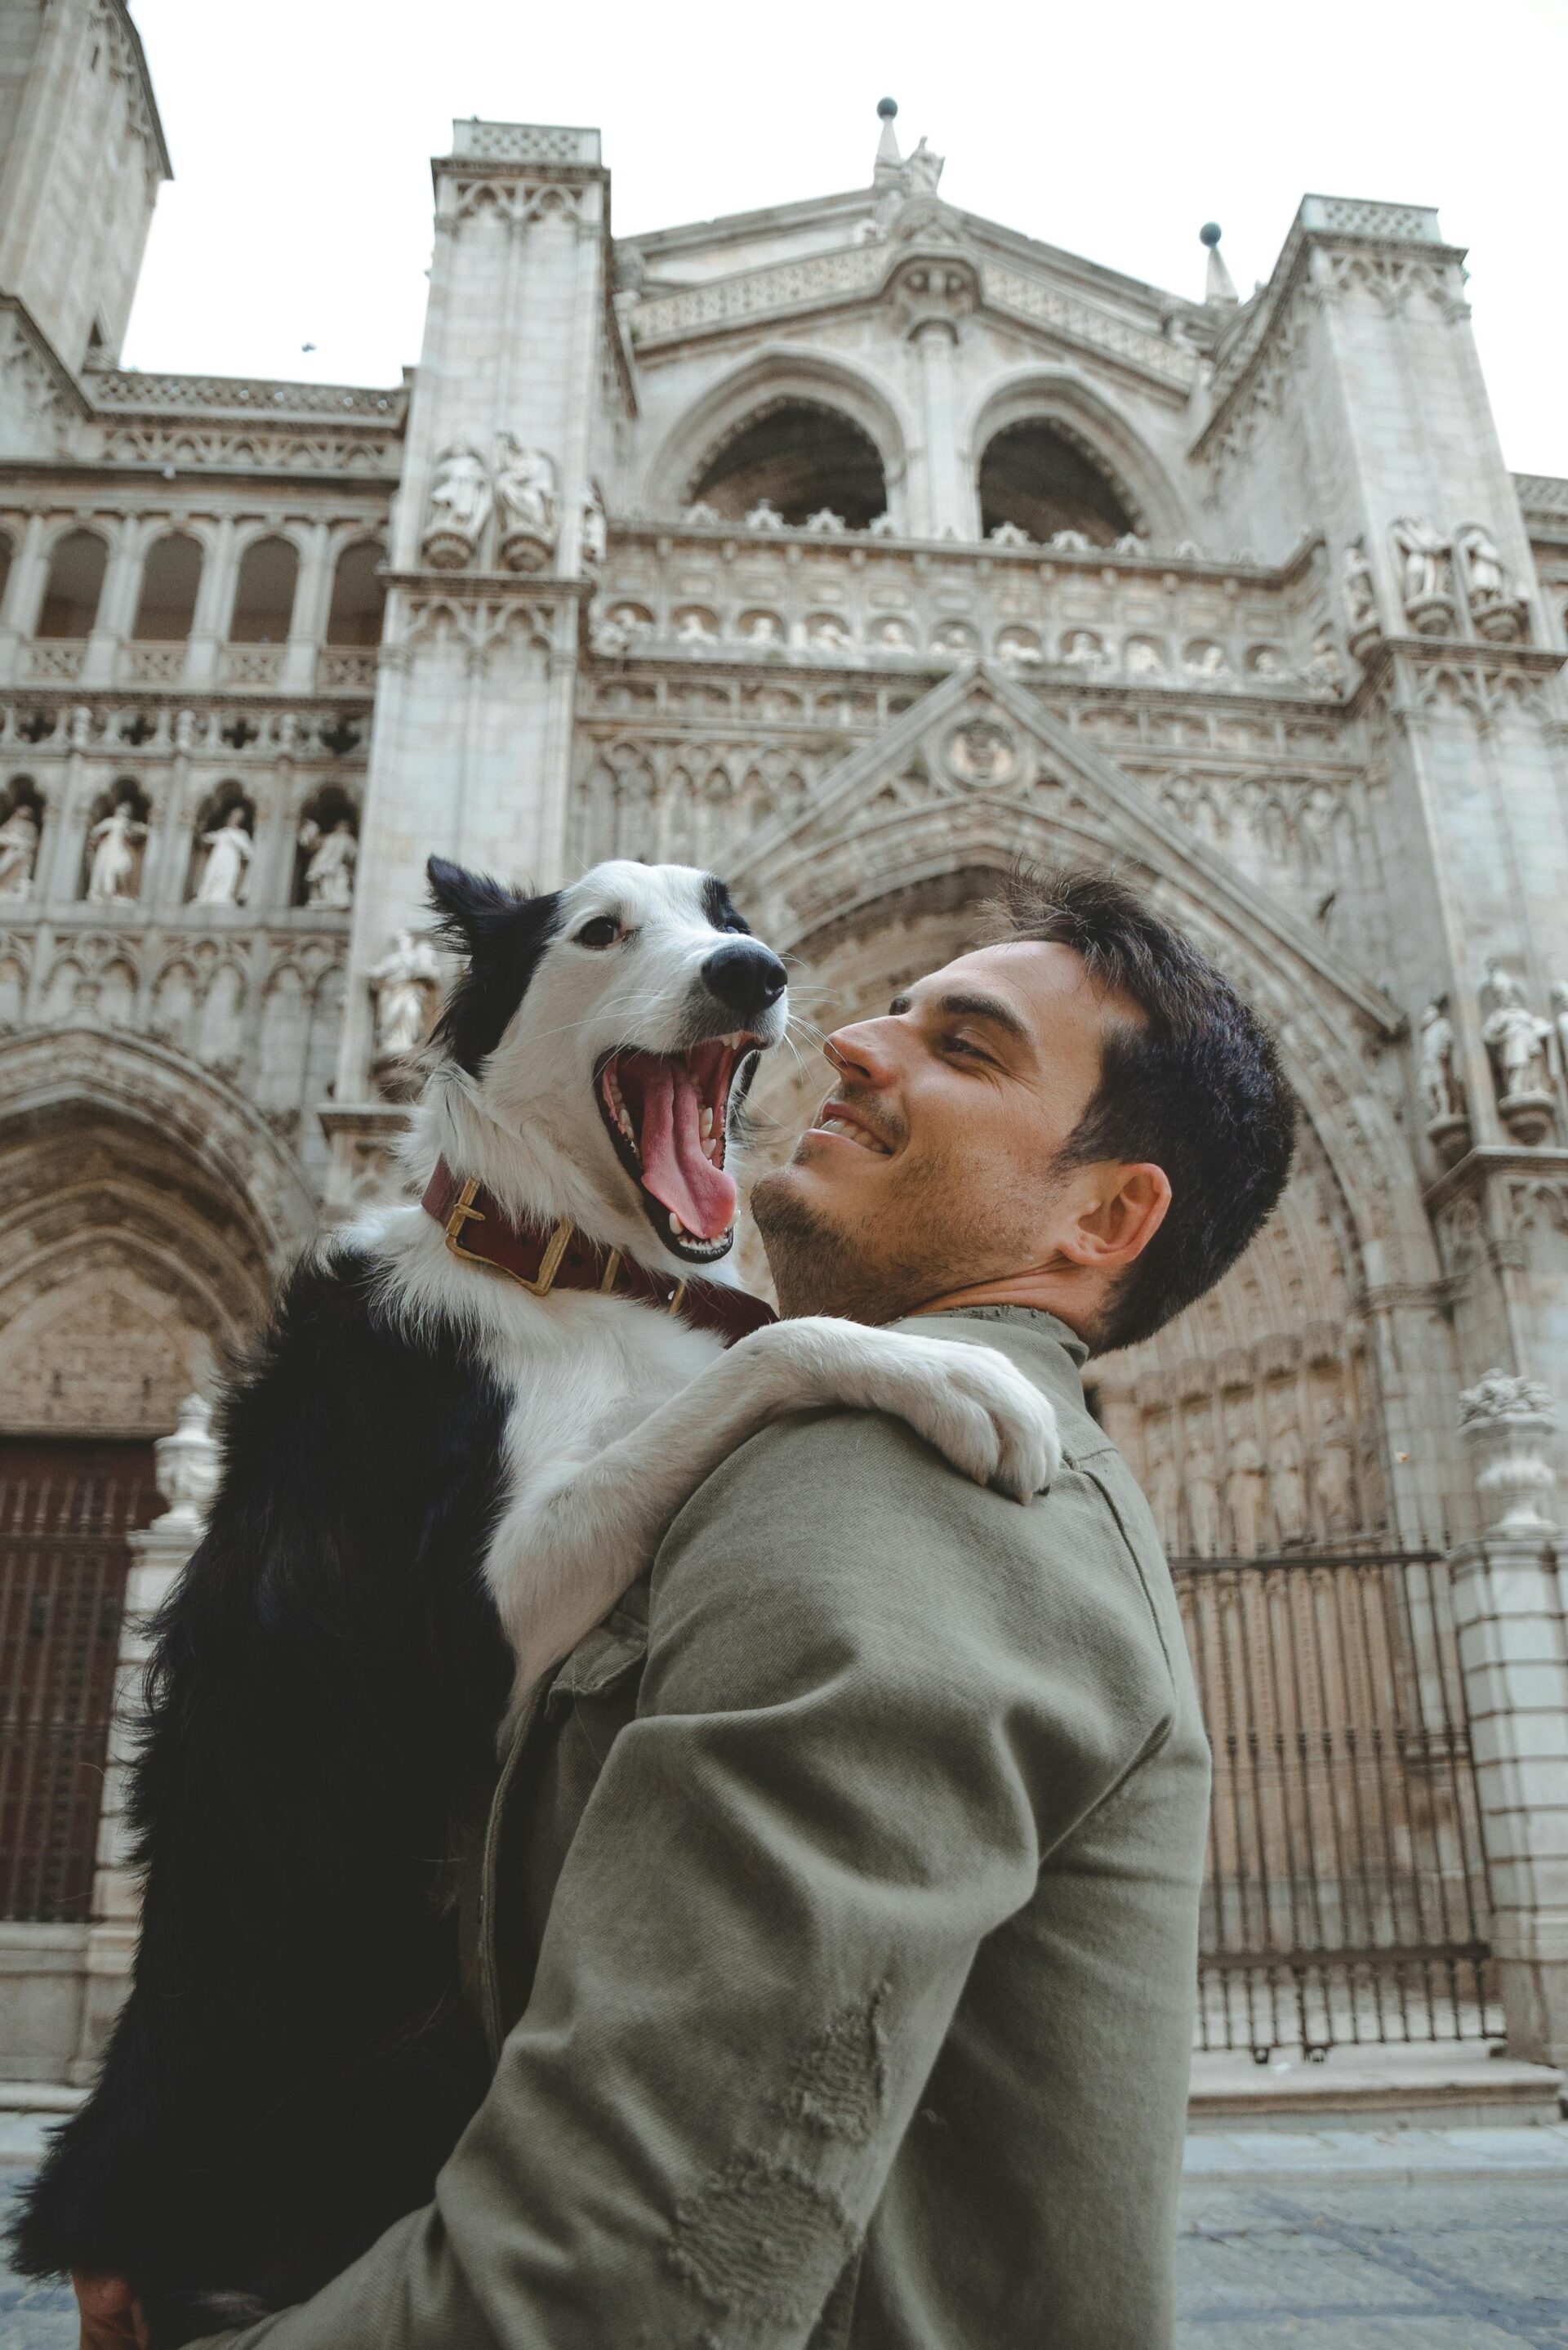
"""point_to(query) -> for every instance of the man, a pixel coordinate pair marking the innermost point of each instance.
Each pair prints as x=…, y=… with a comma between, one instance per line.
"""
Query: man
x=844, y=1947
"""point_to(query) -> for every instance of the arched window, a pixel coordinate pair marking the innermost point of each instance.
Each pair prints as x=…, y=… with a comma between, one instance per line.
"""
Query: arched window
x=169, y=579
x=75, y=584
x=801, y=458
x=1034, y=477
x=264, y=600
x=359, y=596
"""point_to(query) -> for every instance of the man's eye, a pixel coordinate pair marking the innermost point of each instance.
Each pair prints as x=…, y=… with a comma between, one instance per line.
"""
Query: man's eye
x=964, y=1044
x=602, y=931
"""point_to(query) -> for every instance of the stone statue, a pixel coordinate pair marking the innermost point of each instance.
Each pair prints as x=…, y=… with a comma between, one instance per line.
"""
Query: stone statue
x=594, y=528
x=1497, y=607
x=1425, y=575
x=1442, y=1089
x=921, y=171
x=1207, y=660
x=1322, y=671
x=527, y=504
x=459, y=506
x=1560, y=1022
x=1515, y=1036
x=1162, y=1486
x=1141, y=658
x=1082, y=648
x=1334, y=1479
x=1244, y=1493
x=1202, y=1501
x=405, y=984
x=20, y=838
x=229, y=853
x=113, y=875
x=1507, y=1420
x=1360, y=592
x=1287, y=1484
x=329, y=874
x=763, y=628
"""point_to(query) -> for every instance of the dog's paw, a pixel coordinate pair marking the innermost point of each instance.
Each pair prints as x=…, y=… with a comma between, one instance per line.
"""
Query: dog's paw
x=973, y=1405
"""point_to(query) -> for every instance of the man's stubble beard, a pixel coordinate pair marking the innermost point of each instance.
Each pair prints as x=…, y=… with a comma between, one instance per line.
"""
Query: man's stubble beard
x=820, y=1267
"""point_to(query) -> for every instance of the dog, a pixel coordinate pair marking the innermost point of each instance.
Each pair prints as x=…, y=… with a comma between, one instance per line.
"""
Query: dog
x=460, y=1442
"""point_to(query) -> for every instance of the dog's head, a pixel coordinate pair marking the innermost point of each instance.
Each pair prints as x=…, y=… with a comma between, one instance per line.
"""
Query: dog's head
x=606, y=1036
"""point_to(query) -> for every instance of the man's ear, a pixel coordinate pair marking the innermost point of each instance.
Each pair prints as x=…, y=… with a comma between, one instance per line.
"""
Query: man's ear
x=1127, y=1207
x=470, y=908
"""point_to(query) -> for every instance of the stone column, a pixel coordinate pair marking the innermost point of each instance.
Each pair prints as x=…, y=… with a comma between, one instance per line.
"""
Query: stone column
x=214, y=600
x=187, y=1478
x=311, y=598
x=1513, y=1650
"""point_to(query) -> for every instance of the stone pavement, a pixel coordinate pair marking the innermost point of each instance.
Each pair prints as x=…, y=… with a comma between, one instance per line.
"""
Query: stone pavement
x=1322, y=2240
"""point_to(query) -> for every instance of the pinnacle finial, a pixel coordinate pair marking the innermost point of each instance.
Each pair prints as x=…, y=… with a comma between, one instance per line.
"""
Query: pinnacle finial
x=890, y=162
x=1219, y=286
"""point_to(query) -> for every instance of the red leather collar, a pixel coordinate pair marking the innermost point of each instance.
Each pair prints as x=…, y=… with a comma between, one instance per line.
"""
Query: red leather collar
x=479, y=1232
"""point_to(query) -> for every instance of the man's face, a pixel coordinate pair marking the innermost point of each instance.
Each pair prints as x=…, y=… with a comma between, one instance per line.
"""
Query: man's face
x=930, y=1164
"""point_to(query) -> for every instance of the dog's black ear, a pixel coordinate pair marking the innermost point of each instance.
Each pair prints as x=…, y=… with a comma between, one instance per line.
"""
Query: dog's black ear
x=469, y=906
x=501, y=932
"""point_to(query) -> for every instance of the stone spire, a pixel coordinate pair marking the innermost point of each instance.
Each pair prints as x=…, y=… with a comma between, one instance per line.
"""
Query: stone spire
x=890, y=162
x=1220, y=286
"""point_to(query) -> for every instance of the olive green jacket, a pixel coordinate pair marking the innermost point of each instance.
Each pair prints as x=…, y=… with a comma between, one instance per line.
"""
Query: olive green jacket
x=845, y=1937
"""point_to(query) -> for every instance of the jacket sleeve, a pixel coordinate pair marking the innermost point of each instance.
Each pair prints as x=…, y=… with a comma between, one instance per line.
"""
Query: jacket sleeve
x=875, y=1697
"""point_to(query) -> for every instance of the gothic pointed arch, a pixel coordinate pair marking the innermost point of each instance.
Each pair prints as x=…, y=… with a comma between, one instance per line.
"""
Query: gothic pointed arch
x=1061, y=405
x=782, y=377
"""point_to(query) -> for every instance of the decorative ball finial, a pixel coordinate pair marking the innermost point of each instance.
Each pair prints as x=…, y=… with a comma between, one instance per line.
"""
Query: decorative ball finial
x=1209, y=234
x=886, y=108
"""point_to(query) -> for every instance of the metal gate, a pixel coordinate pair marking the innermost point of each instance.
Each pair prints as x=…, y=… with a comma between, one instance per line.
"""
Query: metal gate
x=65, y=1511
x=1344, y=1895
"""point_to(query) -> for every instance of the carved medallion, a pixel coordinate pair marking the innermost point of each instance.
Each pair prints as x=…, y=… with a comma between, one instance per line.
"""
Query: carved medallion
x=983, y=753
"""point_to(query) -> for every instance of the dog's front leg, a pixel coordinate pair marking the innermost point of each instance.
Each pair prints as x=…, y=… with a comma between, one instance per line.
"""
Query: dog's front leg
x=576, y=1536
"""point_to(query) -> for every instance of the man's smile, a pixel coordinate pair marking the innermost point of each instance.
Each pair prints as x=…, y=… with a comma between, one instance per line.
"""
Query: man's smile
x=837, y=1121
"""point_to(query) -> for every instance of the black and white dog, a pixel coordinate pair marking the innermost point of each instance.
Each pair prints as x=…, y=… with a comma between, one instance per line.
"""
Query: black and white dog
x=437, y=1479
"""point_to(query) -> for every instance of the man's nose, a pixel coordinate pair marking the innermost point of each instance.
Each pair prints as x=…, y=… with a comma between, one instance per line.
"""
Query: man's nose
x=746, y=976
x=857, y=1051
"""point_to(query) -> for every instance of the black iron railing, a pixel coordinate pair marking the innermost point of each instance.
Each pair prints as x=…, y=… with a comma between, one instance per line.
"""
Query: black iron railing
x=1346, y=1897
x=65, y=1513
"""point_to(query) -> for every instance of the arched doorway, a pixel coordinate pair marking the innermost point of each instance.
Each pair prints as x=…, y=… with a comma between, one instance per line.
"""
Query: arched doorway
x=801, y=456
x=1034, y=477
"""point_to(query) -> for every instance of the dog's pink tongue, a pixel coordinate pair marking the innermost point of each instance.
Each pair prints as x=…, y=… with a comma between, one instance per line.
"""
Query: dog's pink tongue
x=675, y=1167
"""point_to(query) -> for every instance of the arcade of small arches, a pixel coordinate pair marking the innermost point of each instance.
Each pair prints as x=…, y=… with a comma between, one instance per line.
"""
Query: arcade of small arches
x=803, y=463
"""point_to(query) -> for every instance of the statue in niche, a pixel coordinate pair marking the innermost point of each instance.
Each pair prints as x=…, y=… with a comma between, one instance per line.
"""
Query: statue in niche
x=1207, y=660
x=1360, y=593
x=19, y=837
x=229, y=852
x=1245, y=1495
x=594, y=529
x=1287, y=1482
x=1560, y=1022
x=459, y=506
x=765, y=515
x=1334, y=1478
x=1497, y=607
x=1322, y=671
x=827, y=632
x=1425, y=575
x=1081, y=648
x=1202, y=1500
x=527, y=507
x=405, y=986
x=114, y=841
x=1141, y=659
x=332, y=856
x=611, y=640
x=763, y=628
x=1442, y=1087
x=1517, y=1039
x=1162, y=1484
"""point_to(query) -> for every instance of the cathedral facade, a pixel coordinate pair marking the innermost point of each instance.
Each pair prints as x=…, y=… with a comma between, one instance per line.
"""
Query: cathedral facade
x=857, y=548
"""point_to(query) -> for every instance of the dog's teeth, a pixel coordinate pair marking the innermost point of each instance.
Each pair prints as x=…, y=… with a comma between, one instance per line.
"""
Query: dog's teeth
x=676, y=1226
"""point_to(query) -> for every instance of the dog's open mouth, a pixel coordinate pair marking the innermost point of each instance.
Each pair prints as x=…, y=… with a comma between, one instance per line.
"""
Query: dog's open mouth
x=668, y=1116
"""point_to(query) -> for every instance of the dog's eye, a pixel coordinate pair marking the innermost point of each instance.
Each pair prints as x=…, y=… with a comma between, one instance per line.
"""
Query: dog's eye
x=602, y=931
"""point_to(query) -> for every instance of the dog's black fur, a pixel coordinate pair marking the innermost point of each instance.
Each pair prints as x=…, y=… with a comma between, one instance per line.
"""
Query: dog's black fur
x=295, y=2061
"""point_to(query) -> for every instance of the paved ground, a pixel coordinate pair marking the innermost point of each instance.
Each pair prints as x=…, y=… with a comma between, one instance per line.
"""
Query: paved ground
x=1411, y=2239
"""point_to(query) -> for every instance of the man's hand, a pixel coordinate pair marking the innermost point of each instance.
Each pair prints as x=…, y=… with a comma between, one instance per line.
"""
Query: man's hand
x=111, y=2314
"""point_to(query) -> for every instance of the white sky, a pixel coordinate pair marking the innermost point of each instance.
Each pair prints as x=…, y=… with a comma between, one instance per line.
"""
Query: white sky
x=300, y=132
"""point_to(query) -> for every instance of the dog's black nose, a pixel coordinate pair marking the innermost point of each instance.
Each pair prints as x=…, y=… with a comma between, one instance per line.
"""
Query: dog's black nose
x=745, y=976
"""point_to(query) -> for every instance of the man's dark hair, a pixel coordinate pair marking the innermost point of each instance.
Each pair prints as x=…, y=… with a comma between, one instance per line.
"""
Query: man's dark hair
x=1195, y=1086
